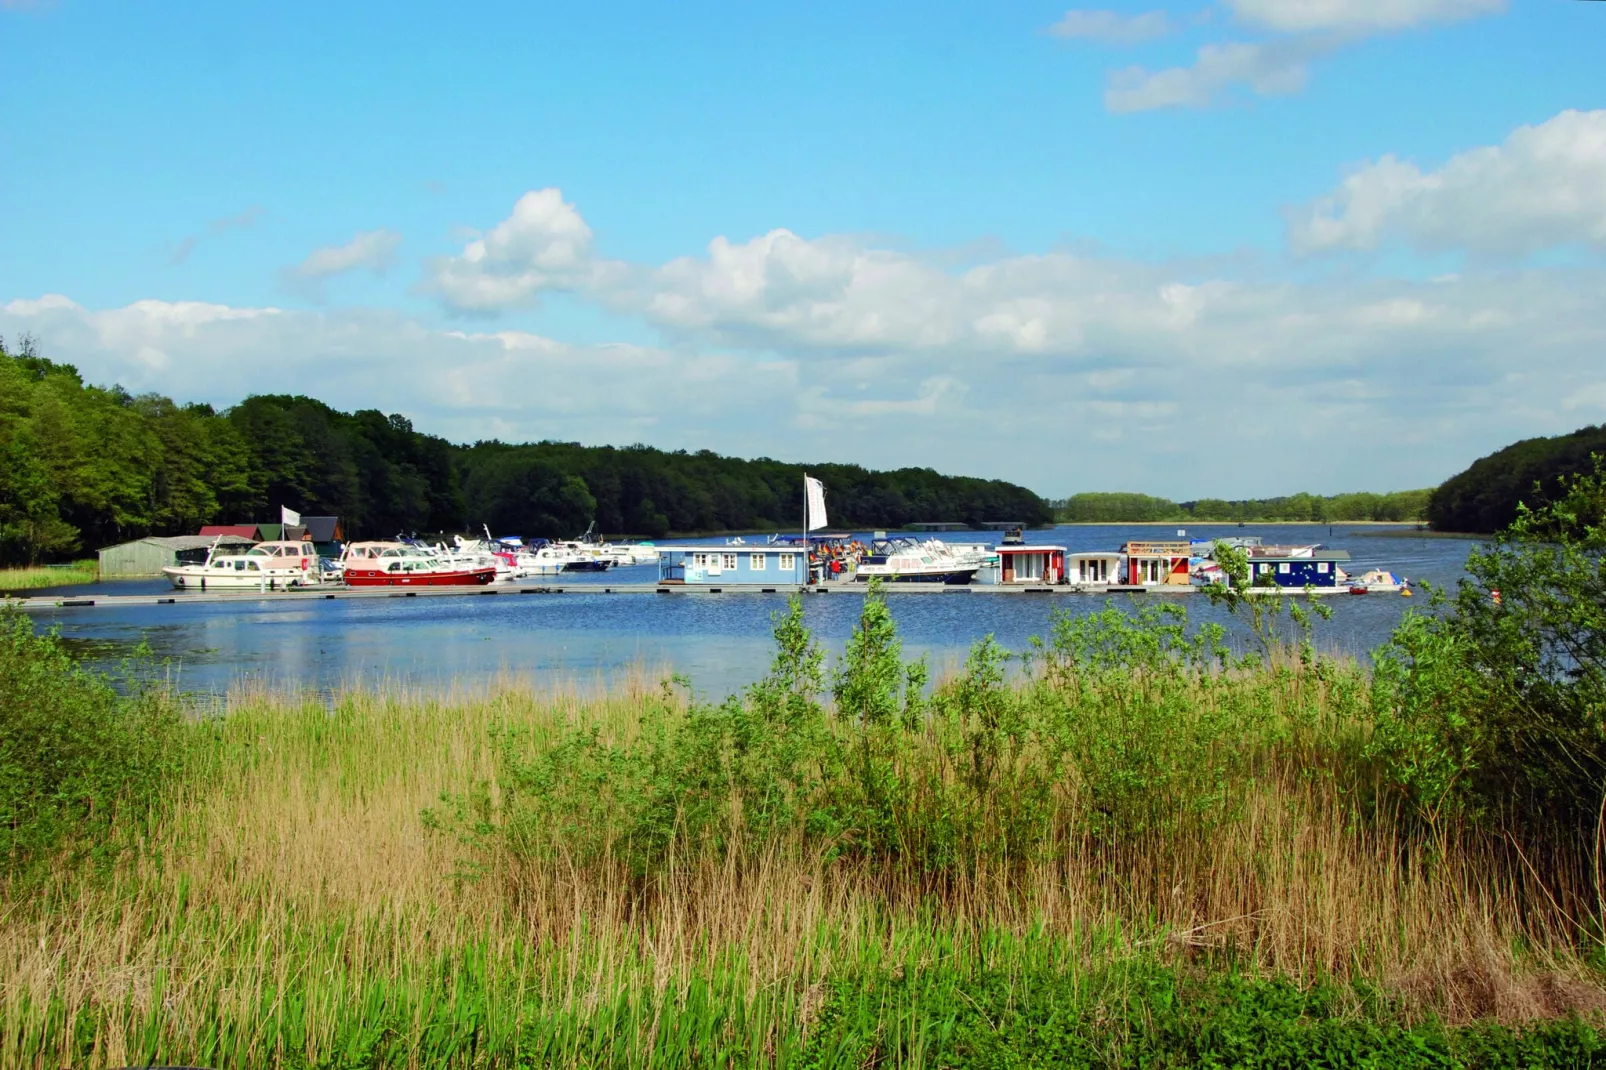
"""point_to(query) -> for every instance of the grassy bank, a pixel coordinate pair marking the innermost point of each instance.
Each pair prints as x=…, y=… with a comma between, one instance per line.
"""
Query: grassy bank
x=1131, y=851
x=28, y=579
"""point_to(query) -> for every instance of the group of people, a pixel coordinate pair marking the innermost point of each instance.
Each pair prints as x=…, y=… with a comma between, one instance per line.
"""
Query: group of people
x=832, y=560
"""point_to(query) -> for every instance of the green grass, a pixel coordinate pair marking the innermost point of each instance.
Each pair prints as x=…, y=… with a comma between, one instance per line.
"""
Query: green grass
x=29, y=579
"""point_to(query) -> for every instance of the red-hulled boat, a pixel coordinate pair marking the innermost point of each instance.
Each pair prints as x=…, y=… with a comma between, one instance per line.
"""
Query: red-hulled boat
x=397, y=564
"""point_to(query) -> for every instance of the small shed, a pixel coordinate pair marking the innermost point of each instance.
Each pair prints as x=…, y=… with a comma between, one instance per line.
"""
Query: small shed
x=147, y=557
x=733, y=564
x=1096, y=567
x=1317, y=568
x=1024, y=564
x=1157, y=564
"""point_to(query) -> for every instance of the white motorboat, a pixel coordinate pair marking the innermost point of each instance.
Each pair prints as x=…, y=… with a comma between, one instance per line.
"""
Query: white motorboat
x=265, y=566
x=905, y=560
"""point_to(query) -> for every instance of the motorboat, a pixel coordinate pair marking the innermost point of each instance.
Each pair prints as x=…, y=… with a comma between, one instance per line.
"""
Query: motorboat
x=266, y=566
x=399, y=564
x=1378, y=581
x=906, y=560
x=545, y=561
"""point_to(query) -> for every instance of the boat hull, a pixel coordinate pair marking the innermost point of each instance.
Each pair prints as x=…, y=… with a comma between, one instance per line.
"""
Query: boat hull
x=587, y=566
x=476, y=577
x=957, y=577
x=184, y=579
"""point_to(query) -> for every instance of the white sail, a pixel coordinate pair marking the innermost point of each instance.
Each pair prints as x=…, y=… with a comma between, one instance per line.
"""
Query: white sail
x=813, y=504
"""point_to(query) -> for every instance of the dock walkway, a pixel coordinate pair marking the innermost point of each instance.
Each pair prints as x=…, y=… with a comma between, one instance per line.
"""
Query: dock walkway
x=335, y=593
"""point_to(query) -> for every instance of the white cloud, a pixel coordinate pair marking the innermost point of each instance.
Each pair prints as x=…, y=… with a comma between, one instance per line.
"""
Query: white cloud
x=1357, y=16
x=1111, y=27
x=370, y=250
x=543, y=245
x=1038, y=368
x=1545, y=186
x=1273, y=67
x=1304, y=31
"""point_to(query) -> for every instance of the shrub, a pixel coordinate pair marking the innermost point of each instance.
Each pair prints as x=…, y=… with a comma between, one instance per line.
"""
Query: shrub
x=1494, y=702
x=75, y=755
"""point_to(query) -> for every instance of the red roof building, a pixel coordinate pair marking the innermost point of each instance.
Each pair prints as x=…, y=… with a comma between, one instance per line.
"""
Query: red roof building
x=244, y=531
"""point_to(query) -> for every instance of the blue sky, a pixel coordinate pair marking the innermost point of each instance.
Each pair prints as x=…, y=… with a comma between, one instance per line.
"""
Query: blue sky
x=1240, y=248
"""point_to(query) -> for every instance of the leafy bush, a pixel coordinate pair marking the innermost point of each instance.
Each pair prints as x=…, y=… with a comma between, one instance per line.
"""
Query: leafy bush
x=75, y=755
x=1494, y=703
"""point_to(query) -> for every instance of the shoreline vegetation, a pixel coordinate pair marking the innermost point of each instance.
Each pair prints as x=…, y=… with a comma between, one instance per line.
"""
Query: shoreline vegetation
x=1126, y=845
x=1410, y=506
x=29, y=579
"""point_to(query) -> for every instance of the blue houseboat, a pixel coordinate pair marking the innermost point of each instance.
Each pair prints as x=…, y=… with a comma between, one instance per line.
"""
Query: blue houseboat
x=760, y=565
x=1316, y=569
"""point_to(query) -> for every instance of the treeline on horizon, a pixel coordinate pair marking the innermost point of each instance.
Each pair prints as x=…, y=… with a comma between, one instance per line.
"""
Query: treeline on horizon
x=1127, y=508
x=83, y=466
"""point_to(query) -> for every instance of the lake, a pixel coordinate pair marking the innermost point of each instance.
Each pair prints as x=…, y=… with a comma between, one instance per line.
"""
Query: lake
x=721, y=642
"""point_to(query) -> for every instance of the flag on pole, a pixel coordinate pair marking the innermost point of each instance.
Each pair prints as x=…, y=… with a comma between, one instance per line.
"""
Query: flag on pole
x=289, y=517
x=813, y=504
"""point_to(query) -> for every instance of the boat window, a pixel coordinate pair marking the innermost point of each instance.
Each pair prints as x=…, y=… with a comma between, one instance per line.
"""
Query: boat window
x=252, y=566
x=729, y=561
x=1321, y=567
x=1284, y=567
x=758, y=562
x=788, y=562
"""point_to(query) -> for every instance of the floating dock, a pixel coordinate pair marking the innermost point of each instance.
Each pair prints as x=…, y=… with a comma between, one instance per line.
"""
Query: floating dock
x=335, y=593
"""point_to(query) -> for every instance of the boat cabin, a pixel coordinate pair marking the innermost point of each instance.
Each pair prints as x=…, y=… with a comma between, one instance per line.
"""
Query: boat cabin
x=1312, y=568
x=1093, y=567
x=731, y=564
x=1020, y=563
x=1157, y=564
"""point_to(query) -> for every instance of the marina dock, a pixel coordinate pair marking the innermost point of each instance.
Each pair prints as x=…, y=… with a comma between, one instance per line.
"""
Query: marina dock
x=316, y=594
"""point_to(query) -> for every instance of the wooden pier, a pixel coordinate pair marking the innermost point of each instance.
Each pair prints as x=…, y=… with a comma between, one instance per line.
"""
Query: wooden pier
x=336, y=593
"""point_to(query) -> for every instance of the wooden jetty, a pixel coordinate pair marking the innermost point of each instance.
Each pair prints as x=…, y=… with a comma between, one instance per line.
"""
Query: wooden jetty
x=336, y=593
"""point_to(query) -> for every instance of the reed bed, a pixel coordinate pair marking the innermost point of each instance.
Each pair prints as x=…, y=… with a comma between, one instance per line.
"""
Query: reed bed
x=29, y=579
x=370, y=879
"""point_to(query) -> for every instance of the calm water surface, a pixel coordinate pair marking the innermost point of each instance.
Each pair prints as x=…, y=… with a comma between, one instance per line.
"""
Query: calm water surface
x=721, y=642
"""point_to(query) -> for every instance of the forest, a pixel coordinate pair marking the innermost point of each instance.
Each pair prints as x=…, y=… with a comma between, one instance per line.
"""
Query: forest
x=84, y=466
x=1128, y=508
x=1484, y=498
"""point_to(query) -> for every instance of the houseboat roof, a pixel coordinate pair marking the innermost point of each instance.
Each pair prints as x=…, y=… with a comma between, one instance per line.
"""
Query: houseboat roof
x=1091, y=554
x=1028, y=548
x=1141, y=548
x=1315, y=555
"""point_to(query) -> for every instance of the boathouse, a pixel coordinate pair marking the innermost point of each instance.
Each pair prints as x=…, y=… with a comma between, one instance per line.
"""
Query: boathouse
x=758, y=565
x=1020, y=563
x=1317, y=568
x=1157, y=564
x=147, y=557
x=1095, y=567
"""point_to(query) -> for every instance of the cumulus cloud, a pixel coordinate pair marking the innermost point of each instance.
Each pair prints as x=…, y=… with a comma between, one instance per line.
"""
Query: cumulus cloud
x=1111, y=27
x=1273, y=67
x=1545, y=186
x=1357, y=16
x=543, y=245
